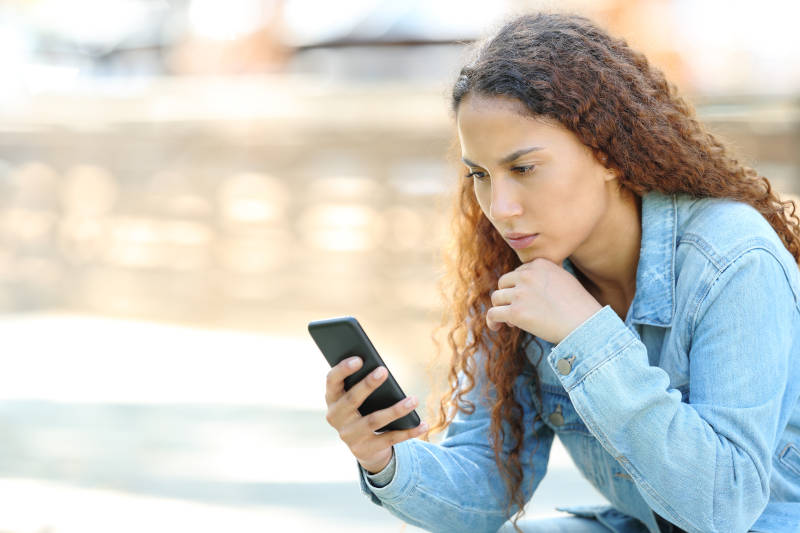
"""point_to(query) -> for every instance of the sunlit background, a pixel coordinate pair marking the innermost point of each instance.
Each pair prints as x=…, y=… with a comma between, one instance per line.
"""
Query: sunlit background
x=185, y=184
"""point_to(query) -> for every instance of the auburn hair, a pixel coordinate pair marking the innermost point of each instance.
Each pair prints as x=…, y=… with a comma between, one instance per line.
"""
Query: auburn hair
x=564, y=67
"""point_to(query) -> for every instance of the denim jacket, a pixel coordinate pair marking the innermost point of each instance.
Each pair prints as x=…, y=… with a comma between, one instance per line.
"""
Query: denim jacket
x=688, y=408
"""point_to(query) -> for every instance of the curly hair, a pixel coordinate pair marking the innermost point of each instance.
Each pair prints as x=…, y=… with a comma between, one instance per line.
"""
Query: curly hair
x=566, y=68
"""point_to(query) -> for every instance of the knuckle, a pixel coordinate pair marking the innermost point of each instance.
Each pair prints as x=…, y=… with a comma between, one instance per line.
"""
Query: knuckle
x=346, y=434
x=350, y=399
x=360, y=448
x=330, y=377
x=373, y=421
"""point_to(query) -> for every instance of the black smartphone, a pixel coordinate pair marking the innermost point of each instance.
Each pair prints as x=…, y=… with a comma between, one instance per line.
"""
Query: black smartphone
x=342, y=337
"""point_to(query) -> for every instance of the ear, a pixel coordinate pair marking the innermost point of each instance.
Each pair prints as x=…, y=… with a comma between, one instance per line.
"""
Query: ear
x=608, y=173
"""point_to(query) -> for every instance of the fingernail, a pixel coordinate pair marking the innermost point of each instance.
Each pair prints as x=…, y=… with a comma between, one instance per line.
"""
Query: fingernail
x=354, y=362
x=378, y=373
x=409, y=402
x=423, y=426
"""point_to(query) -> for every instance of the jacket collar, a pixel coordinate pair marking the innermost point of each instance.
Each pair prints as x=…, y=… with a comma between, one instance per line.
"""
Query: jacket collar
x=654, y=300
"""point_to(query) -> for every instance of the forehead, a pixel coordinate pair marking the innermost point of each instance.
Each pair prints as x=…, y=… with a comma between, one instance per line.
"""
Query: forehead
x=489, y=122
x=483, y=106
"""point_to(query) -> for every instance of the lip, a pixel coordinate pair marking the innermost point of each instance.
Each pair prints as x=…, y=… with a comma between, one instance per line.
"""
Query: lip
x=519, y=241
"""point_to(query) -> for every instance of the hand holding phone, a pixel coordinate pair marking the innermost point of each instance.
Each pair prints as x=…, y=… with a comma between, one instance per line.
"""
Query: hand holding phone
x=365, y=398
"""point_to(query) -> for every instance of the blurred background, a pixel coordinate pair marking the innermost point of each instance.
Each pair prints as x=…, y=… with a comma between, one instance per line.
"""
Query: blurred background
x=185, y=184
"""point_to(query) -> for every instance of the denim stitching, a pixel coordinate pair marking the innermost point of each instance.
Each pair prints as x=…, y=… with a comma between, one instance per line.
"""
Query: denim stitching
x=439, y=498
x=405, y=491
x=640, y=481
x=790, y=448
x=693, y=321
x=602, y=363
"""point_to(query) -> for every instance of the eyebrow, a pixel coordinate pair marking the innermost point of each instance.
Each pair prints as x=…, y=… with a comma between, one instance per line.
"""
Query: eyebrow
x=509, y=158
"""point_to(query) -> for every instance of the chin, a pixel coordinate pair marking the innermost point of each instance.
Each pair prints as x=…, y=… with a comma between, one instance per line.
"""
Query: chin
x=526, y=256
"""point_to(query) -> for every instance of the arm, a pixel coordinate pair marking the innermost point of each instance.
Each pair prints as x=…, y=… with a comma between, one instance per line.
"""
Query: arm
x=455, y=485
x=705, y=465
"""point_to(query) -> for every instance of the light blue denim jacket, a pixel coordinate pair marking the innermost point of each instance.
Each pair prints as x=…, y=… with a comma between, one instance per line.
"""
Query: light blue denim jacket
x=689, y=408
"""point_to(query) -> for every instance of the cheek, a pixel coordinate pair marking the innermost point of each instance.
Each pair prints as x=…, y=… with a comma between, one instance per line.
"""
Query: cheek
x=483, y=195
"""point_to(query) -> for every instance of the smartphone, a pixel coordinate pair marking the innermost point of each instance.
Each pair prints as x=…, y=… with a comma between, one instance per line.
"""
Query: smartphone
x=342, y=337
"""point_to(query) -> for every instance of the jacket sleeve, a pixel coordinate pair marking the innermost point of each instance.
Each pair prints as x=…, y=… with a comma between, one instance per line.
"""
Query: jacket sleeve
x=703, y=465
x=455, y=485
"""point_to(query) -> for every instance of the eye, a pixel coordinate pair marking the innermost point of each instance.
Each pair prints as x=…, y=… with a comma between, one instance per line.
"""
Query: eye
x=478, y=175
x=524, y=170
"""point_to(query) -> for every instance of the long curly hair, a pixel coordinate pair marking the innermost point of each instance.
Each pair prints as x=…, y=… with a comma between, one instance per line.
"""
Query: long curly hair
x=564, y=67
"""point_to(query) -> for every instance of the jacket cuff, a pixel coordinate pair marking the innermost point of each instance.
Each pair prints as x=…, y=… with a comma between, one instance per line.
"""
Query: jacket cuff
x=588, y=346
x=405, y=478
x=384, y=477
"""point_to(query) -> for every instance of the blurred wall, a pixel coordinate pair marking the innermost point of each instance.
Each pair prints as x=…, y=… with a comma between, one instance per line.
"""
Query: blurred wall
x=227, y=173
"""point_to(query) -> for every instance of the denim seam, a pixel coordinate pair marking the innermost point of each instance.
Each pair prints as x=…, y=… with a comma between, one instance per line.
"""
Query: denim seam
x=438, y=498
x=789, y=447
x=696, y=310
x=763, y=479
x=602, y=363
x=698, y=243
x=640, y=481
x=718, y=259
x=404, y=491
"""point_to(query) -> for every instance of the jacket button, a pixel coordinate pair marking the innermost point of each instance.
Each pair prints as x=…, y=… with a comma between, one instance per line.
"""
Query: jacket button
x=556, y=418
x=564, y=366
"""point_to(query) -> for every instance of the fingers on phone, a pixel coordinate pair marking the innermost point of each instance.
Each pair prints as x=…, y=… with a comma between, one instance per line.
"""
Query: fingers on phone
x=380, y=418
x=346, y=367
x=391, y=438
x=356, y=396
x=352, y=363
x=337, y=373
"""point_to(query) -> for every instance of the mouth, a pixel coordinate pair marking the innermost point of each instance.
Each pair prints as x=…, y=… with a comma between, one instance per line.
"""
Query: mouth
x=518, y=241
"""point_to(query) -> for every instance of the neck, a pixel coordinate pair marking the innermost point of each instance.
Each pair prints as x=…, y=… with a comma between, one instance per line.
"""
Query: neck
x=607, y=265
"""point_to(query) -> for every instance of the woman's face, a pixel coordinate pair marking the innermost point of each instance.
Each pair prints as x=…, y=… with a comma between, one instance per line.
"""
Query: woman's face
x=532, y=176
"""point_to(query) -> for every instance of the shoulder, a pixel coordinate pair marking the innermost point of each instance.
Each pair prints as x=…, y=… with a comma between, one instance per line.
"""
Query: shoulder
x=715, y=234
x=723, y=229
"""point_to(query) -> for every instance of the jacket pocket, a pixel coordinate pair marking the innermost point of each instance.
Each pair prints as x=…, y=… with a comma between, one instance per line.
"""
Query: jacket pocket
x=790, y=458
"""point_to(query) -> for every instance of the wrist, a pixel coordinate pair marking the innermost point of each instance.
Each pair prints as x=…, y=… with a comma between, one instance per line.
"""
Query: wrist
x=374, y=468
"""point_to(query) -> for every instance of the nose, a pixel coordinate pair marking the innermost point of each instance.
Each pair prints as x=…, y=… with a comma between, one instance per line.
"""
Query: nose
x=505, y=201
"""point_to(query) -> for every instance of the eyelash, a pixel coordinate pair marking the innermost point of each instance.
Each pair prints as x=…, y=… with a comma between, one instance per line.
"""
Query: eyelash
x=523, y=170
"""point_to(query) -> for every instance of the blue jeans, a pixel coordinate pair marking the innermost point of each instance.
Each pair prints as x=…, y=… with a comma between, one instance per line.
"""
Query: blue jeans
x=565, y=524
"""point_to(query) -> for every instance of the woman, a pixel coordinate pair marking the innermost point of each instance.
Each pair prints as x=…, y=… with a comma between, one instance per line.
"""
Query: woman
x=619, y=280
